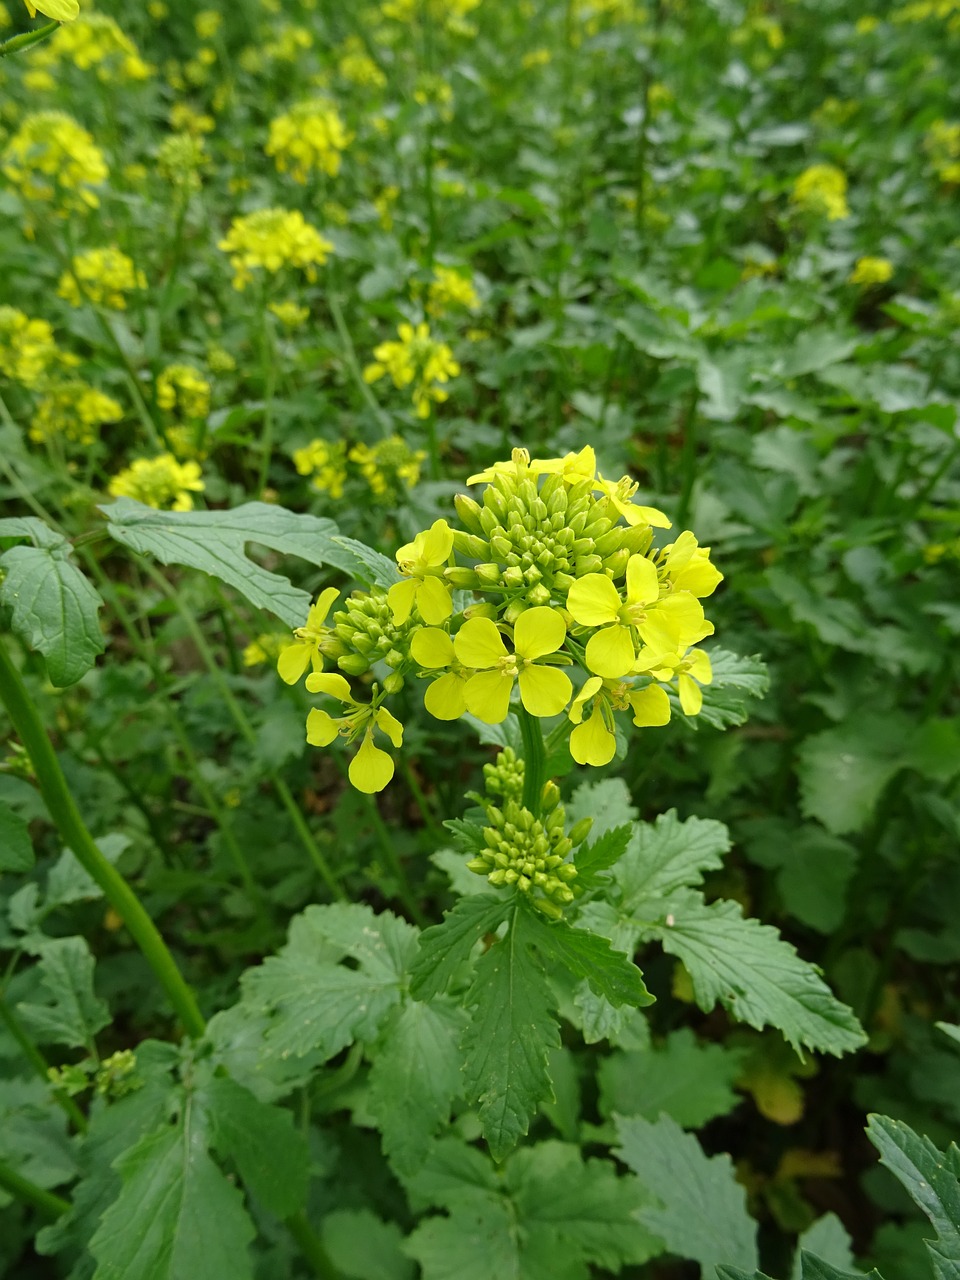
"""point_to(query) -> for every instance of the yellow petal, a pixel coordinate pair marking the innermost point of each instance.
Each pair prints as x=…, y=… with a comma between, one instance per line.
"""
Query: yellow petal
x=544, y=691
x=700, y=667
x=691, y=699
x=318, y=612
x=592, y=742
x=654, y=516
x=538, y=632
x=293, y=661
x=684, y=615
x=700, y=577
x=390, y=725
x=643, y=586
x=329, y=682
x=437, y=543
x=610, y=652
x=445, y=699
x=430, y=647
x=370, y=769
x=59, y=10
x=488, y=696
x=321, y=728
x=400, y=598
x=479, y=644
x=590, y=687
x=650, y=707
x=434, y=601
x=594, y=600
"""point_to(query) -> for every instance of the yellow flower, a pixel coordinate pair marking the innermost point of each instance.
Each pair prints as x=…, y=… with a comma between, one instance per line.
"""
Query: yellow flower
x=74, y=411
x=289, y=314
x=942, y=144
x=358, y=67
x=160, y=482
x=594, y=741
x=305, y=650
x=433, y=650
x=668, y=624
x=688, y=566
x=309, y=137
x=544, y=691
x=822, y=189
x=417, y=360
x=450, y=288
x=182, y=390
x=371, y=768
x=185, y=119
x=535, y=58
x=96, y=41
x=389, y=465
x=51, y=158
x=690, y=671
x=271, y=239
x=101, y=276
x=871, y=271
x=325, y=463
x=27, y=347
x=422, y=563
x=207, y=23
x=620, y=496
x=270, y=645
x=58, y=10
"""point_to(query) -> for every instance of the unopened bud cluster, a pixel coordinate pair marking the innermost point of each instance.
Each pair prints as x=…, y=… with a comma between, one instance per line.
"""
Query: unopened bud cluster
x=504, y=778
x=367, y=634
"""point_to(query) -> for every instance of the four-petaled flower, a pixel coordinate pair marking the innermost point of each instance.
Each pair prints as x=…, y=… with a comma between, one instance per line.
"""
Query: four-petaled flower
x=688, y=566
x=370, y=769
x=544, y=691
x=445, y=697
x=667, y=624
x=619, y=493
x=594, y=741
x=305, y=650
x=690, y=672
x=422, y=563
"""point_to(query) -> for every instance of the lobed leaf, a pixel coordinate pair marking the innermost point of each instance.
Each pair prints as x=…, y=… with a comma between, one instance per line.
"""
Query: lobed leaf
x=53, y=608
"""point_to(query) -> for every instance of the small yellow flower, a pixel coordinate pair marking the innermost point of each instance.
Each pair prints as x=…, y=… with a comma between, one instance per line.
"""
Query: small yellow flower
x=870, y=271
x=160, y=482
x=433, y=650
x=422, y=563
x=538, y=634
x=271, y=239
x=102, y=276
x=325, y=464
x=305, y=650
x=263, y=649
x=690, y=672
x=27, y=347
x=53, y=159
x=207, y=23
x=688, y=566
x=289, y=314
x=358, y=67
x=822, y=189
x=96, y=42
x=451, y=289
x=181, y=389
x=371, y=768
x=417, y=360
x=309, y=137
x=74, y=411
x=388, y=466
x=594, y=741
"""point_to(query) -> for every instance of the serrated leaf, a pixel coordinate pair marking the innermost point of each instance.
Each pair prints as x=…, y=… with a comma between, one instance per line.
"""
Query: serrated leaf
x=53, y=609
x=269, y=1152
x=607, y=802
x=511, y=1031
x=376, y=568
x=73, y=1015
x=814, y=1268
x=16, y=847
x=177, y=1216
x=214, y=542
x=418, y=1061
x=737, y=682
x=689, y=1081
x=826, y=1243
x=471, y=1244
x=445, y=947
x=68, y=881
x=593, y=859
x=670, y=854
x=702, y=1211
x=932, y=1179
x=754, y=973
x=610, y=973
x=843, y=771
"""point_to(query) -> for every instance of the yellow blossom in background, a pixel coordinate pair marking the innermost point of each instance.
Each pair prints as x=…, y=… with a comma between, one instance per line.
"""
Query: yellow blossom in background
x=73, y=411
x=158, y=10
x=96, y=42
x=942, y=144
x=451, y=289
x=289, y=314
x=219, y=359
x=383, y=203
x=822, y=189
x=389, y=466
x=325, y=464
x=181, y=158
x=182, y=390
x=186, y=119
x=207, y=23
x=310, y=137
x=450, y=14
x=868, y=271
x=271, y=239
x=417, y=360
x=160, y=482
x=535, y=58
x=358, y=67
x=266, y=648
x=336, y=213
x=27, y=347
x=53, y=159
x=58, y=10
x=869, y=22
x=187, y=441
x=102, y=276
x=433, y=90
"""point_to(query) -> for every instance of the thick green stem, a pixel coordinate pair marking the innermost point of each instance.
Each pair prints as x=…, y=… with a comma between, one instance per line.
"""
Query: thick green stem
x=311, y=1247
x=73, y=831
x=534, y=761
x=16, y=1185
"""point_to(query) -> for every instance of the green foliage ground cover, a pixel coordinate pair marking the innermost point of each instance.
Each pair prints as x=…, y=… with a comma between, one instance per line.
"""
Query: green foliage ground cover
x=715, y=241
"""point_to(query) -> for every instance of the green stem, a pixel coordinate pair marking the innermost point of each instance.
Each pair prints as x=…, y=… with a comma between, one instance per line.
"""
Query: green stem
x=73, y=831
x=14, y=1183
x=689, y=456
x=353, y=364
x=534, y=760
x=40, y=1064
x=405, y=892
x=311, y=1247
x=26, y=39
x=433, y=446
x=268, y=371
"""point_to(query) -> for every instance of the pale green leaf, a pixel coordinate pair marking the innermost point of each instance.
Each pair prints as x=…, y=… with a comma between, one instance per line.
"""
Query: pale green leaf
x=215, y=541
x=269, y=1152
x=73, y=1014
x=33, y=530
x=843, y=771
x=67, y=879
x=375, y=568
x=669, y=854
x=828, y=1243
x=738, y=681
x=53, y=609
x=16, y=848
x=702, y=1212
x=177, y=1217
x=690, y=1081
x=445, y=947
x=814, y=1268
x=606, y=802
x=363, y=1247
x=754, y=973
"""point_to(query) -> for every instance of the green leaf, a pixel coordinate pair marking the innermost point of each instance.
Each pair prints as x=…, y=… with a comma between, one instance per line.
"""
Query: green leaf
x=362, y=1247
x=374, y=567
x=214, y=541
x=511, y=1032
x=608, y=803
x=445, y=947
x=738, y=681
x=932, y=1179
x=668, y=854
x=417, y=1061
x=475, y=1243
x=16, y=848
x=73, y=1015
x=754, y=973
x=825, y=1243
x=690, y=1081
x=611, y=974
x=702, y=1212
x=269, y=1152
x=53, y=609
x=593, y=859
x=33, y=530
x=814, y=1268
x=68, y=881
x=843, y=771
x=177, y=1216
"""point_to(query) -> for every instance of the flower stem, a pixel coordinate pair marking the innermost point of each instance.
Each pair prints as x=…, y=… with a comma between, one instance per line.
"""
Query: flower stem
x=268, y=366
x=40, y=1065
x=16, y=1185
x=311, y=1247
x=27, y=39
x=72, y=829
x=534, y=760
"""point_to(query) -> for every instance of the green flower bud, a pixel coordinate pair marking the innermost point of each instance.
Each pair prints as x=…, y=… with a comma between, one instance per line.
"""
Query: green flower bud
x=616, y=565
x=580, y=830
x=551, y=795
x=458, y=576
x=478, y=865
x=394, y=658
x=538, y=595
x=354, y=664
x=468, y=544
x=482, y=610
x=548, y=908
x=489, y=521
x=468, y=511
x=488, y=575
x=514, y=610
x=394, y=682
x=500, y=546
x=512, y=578
x=587, y=564
x=608, y=543
x=637, y=540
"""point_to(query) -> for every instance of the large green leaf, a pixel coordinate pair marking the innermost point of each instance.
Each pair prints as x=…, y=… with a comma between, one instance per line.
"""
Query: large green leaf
x=269, y=1152
x=16, y=847
x=683, y=1078
x=669, y=854
x=215, y=542
x=445, y=947
x=73, y=1014
x=702, y=1211
x=53, y=608
x=738, y=682
x=589, y=956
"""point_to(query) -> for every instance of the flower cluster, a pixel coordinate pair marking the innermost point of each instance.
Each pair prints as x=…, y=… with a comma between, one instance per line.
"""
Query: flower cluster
x=181, y=159
x=183, y=391
x=160, y=482
x=326, y=465
x=271, y=239
x=450, y=290
x=27, y=347
x=868, y=271
x=96, y=41
x=389, y=467
x=307, y=138
x=53, y=159
x=942, y=144
x=358, y=67
x=101, y=276
x=822, y=189
x=73, y=411
x=418, y=361
x=564, y=580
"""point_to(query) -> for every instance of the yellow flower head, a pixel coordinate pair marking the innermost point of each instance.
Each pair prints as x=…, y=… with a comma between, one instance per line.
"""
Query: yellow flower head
x=73, y=411
x=389, y=467
x=271, y=239
x=417, y=360
x=594, y=740
x=58, y=10
x=325, y=464
x=101, y=276
x=371, y=768
x=822, y=189
x=27, y=347
x=450, y=290
x=358, y=67
x=96, y=42
x=690, y=672
x=160, y=482
x=688, y=567
x=182, y=390
x=869, y=271
x=306, y=651
x=942, y=144
x=538, y=635
x=54, y=160
x=422, y=563
x=308, y=138
x=289, y=314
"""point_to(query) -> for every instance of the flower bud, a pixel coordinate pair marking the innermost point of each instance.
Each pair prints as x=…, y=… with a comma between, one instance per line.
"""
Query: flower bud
x=637, y=539
x=548, y=908
x=394, y=658
x=551, y=795
x=482, y=610
x=354, y=664
x=500, y=546
x=512, y=578
x=478, y=865
x=580, y=830
x=616, y=565
x=394, y=681
x=468, y=511
x=587, y=564
x=538, y=595
x=488, y=575
x=489, y=521
x=514, y=610
x=469, y=544
x=460, y=577
x=608, y=543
